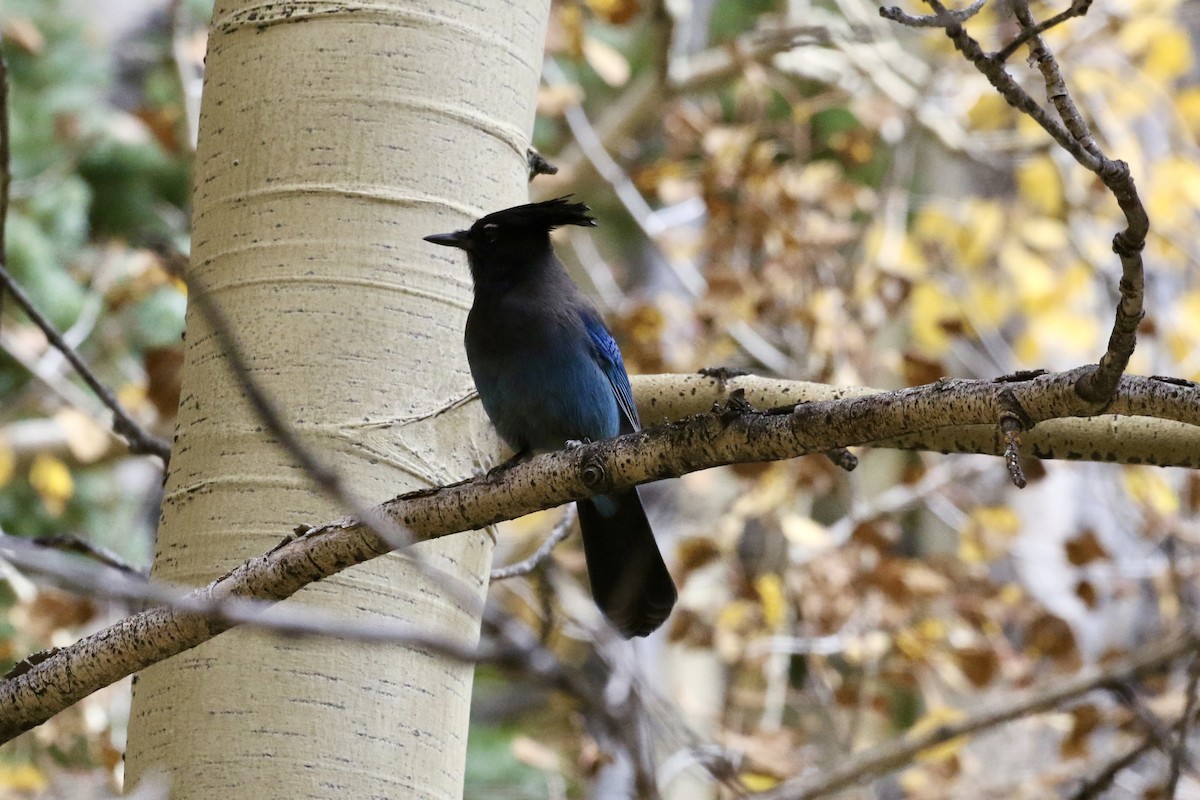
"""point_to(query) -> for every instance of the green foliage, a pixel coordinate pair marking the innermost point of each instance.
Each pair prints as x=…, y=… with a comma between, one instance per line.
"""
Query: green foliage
x=492, y=768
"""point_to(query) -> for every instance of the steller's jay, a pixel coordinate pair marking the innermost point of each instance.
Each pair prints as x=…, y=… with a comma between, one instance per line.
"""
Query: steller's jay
x=549, y=372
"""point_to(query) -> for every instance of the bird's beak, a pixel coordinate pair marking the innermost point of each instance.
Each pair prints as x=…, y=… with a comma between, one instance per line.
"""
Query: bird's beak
x=459, y=239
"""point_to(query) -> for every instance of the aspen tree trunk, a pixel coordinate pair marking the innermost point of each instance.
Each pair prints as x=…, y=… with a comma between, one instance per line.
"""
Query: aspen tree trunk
x=333, y=136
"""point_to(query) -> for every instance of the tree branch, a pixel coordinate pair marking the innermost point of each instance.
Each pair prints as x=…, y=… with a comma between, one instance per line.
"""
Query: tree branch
x=899, y=752
x=1071, y=132
x=725, y=436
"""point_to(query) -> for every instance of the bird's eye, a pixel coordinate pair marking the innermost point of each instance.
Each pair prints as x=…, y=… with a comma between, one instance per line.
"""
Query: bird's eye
x=490, y=231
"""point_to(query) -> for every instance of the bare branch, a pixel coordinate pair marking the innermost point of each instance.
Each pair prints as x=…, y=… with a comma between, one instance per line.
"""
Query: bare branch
x=1077, y=9
x=1070, y=131
x=899, y=752
x=1098, y=784
x=140, y=440
x=938, y=20
x=528, y=565
x=544, y=481
x=5, y=164
x=1179, y=753
x=1010, y=429
x=1145, y=432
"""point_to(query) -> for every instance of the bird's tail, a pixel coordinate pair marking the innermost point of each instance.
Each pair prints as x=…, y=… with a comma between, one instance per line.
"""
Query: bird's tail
x=630, y=582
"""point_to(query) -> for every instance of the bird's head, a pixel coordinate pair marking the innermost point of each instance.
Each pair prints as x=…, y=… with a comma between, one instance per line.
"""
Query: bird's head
x=516, y=238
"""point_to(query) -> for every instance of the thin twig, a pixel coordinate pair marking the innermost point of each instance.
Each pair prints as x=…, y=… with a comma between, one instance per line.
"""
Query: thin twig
x=938, y=20
x=5, y=166
x=1070, y=131
x=73, y=544
x=544, y=481
x=900, y=752
x=226, y=611
x=1180, y=751
x=528, y=565
x=1126, y=694
x=324, y=476
x=1010, y=429
x=1077, y=9
x=1099, y=783
x=648, y=220
x=140, y=440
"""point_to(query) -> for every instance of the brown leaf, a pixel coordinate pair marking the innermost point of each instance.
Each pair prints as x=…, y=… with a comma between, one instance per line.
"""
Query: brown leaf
x=1085, y=548
x=1051, y=636
x=615, y=12
x=876, y=534
x=163, y=367
x=1084, y=720
x=1086, y=592
x=694, y=552
x=978, y=663
x=919, y=370
x=51, y=611
x=688, y=630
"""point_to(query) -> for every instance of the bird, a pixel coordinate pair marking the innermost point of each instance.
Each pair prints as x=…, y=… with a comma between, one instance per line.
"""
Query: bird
x=549, y=374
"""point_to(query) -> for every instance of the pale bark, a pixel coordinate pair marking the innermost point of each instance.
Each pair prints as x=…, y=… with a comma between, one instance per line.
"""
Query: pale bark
x=333, y=136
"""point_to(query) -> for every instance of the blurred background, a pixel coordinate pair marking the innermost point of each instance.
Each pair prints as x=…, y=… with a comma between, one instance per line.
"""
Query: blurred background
x=800, y=190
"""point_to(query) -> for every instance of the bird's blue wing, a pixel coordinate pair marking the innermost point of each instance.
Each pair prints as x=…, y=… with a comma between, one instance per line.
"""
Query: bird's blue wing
x=608, y=356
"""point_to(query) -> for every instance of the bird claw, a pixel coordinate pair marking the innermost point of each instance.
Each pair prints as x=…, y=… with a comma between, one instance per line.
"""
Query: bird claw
x=575, y=444
x=507, y=464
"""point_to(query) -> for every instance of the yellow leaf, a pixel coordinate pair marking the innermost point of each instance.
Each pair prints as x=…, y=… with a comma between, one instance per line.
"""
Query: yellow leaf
x=774, y=602
x=53, y=482
x=735, y=616
x=1035, y=280
x=991, y=112
x=1011, y=594
x=915, y=782
x=22, y=778
x=1170, y=55
x=932, y=629
x=1040, y=184
x=1148, y=487
x=871, y=646
x=132, y=396
x=1174, y=192
x=990, y=304
x=970, y=548
x=912, y=645
x=988, y=534
x=895, y=252
x=1057, y=332
x=1001, y=519
x=984, y=229
x=931, y=721
x=1044, y=234
x=86, y=439
x=758, y=782
x=1187, y=103
x=8, y=462
x=933, y=309
x=932, y=224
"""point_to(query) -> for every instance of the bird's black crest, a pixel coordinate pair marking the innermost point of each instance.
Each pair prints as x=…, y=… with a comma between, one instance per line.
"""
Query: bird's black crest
x=546, y=215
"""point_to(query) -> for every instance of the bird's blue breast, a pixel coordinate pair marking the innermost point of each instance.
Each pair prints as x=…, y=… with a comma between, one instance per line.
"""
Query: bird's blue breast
x=539, y=379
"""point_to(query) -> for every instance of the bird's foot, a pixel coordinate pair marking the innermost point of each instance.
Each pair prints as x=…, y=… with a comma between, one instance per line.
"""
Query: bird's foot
x=507, y=464
x=575, y=444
